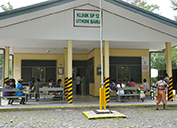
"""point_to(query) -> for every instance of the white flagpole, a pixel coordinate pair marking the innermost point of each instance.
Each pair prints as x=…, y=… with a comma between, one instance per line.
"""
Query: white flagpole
x=101, y=43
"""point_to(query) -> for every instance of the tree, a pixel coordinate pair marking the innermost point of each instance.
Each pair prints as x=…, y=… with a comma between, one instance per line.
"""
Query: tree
x=158, y=60
x=174, y=7
x=5, y=8
x=143, y=4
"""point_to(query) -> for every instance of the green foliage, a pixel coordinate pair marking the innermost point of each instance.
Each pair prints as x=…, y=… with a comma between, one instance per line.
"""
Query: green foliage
x=1, y=61
x=158, y=60
x=143, y=4
x=174, y=4
x=6, y=8
x=175, y=17
x=174, y=7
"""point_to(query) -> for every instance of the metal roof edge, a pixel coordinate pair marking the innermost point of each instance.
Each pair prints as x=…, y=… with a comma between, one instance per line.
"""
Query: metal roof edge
x=144, y=12
x=32, y=8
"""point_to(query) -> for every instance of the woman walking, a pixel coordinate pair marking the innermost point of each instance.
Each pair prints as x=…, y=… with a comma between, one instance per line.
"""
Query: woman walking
x=161, y=85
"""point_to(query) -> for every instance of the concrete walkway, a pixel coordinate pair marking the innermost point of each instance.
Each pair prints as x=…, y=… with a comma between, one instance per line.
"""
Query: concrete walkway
x=79, y=101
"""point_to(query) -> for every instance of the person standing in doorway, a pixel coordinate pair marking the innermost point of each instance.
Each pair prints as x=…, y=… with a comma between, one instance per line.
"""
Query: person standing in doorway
x=84, y=80
x=78, y=84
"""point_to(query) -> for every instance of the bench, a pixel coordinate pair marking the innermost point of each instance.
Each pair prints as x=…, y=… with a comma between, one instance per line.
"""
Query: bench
x=43, y=93
x=12, y=90
x=128, y=89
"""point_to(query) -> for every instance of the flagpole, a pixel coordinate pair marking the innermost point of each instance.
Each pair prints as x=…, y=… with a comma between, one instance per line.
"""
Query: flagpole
x=101, y=43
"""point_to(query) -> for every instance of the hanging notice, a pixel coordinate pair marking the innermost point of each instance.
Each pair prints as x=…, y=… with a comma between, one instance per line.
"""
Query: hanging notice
x=145, y=64
x=86, y=18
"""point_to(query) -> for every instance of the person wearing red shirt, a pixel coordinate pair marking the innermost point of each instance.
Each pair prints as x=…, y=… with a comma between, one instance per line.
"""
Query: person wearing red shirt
x=132, y=84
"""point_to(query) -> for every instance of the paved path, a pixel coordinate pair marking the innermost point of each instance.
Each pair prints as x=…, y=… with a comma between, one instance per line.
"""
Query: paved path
x=79, y=101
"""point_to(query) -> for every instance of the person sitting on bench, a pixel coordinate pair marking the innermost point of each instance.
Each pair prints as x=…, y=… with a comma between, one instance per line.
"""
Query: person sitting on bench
x=113, y=86
x=120, y=92
x=7, y=86
x=57, y=85
x=20, y=93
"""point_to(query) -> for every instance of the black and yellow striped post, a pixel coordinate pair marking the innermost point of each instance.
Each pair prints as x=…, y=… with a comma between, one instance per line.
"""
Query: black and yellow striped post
x=66, y=87
x=170, y=91
x=102, y=99
x=70, y=90
x=5, y=80
x=107, y=86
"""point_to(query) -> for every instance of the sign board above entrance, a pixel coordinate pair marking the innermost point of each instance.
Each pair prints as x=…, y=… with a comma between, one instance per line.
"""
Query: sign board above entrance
x=86, y=18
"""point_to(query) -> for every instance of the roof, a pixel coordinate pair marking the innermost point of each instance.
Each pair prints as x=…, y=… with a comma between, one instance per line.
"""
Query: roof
x=32, y=8
x=53, y=3
x=143, y=12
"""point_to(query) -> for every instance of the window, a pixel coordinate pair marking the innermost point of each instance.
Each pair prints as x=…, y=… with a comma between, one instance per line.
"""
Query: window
x=128, y=72
x=42, y=69
x=125, y=68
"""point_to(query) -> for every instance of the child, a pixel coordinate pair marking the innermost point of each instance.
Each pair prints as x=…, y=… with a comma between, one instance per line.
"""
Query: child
x=50, y=84
x=142, y=95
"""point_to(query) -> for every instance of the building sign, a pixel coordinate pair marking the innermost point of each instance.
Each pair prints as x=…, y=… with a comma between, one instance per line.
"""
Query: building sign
x=145, y=64
x=86, y=18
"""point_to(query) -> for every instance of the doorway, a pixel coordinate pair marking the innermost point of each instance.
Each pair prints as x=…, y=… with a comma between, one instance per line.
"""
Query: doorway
x=80, y=71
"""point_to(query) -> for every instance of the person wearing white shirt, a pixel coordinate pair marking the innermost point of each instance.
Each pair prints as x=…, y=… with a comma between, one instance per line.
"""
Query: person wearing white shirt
x=78, y=84
x=120, y=85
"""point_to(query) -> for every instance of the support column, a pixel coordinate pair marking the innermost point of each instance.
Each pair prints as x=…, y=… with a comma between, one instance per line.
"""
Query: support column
x=70, y=89
x=6, y=62
x=106, y=70
x=169, y=70
x=66, y=73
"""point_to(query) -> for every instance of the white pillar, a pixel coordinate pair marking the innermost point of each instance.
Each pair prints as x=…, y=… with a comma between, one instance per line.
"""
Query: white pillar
x=69, y=58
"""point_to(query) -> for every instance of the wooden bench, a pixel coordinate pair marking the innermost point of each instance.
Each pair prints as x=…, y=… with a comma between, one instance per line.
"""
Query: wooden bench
x=12, y=90
x=128, y=89
x=43, y=93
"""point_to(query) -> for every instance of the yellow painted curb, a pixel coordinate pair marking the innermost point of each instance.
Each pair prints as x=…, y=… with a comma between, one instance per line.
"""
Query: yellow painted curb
x=82, y=106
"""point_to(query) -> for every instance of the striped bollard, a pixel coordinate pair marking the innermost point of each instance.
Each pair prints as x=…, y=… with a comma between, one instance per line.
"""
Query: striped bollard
x=70, y=90
x=107, y=93
x=66, y=87
x=170, y=91
x=5, y=80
